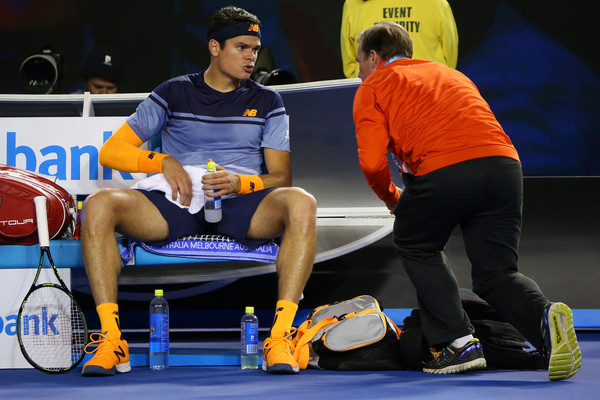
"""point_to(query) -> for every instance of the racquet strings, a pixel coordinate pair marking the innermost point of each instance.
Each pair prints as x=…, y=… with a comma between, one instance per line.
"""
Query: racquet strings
x=53, y=329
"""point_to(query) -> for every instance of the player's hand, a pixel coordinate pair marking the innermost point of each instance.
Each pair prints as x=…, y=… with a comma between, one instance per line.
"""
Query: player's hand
x=223, y=181
x=179, y=180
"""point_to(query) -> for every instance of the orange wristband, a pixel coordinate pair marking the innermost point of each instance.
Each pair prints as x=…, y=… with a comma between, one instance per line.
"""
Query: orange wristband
x=250, y=183
x=150, y=161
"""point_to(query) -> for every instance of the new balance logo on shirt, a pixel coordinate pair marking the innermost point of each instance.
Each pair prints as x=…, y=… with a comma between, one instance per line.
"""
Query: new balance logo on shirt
x=250, y=112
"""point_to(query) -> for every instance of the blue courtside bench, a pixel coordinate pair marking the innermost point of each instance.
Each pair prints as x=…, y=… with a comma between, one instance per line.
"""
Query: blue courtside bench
x=340, y=231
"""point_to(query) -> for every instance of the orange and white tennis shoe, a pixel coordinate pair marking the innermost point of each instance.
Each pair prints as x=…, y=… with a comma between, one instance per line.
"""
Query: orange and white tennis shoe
x=112, y=356
x=278, y=355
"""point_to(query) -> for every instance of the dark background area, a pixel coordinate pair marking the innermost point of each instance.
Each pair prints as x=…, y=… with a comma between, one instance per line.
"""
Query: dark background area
x=160, y=39
x=535, y=62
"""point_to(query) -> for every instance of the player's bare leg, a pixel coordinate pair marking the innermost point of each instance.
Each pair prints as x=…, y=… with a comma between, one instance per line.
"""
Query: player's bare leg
x=291, y=213
x=107, y=211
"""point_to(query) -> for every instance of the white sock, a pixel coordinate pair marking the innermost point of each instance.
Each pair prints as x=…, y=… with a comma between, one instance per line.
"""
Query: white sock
x=461, y=341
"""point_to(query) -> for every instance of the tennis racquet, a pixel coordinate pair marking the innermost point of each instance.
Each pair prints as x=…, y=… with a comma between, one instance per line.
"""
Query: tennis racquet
x=51, y=327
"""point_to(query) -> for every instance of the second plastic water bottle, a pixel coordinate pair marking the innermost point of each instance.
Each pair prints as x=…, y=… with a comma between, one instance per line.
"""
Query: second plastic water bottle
x=159, y=332
x=249, y=355
x=212, y=205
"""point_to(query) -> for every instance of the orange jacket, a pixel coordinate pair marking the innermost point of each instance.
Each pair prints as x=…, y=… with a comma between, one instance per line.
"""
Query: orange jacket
x=426, y=114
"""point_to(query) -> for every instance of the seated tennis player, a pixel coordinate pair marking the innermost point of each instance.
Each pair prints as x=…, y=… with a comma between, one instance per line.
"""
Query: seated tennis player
x=216, y=114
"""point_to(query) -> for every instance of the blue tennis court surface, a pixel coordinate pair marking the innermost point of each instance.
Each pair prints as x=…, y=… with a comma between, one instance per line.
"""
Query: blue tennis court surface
x=229, y=382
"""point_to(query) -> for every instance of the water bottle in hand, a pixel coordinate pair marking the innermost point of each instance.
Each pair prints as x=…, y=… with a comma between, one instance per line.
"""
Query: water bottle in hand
x=212, y=205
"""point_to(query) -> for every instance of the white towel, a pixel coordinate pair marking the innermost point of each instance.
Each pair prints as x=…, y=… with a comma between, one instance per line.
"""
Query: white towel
x=158, y=182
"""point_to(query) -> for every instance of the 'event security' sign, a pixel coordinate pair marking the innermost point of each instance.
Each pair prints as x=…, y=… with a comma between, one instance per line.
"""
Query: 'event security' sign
x=66, y=148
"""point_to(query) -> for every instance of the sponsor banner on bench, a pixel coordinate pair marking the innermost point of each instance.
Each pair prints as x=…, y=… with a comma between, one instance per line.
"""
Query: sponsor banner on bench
x=65, y=148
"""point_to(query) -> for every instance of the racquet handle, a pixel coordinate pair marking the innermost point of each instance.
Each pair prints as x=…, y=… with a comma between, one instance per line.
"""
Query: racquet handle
x=42, y=221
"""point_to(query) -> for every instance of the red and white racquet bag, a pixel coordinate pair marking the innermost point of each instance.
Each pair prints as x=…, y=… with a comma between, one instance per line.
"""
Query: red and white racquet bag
x=18, y=223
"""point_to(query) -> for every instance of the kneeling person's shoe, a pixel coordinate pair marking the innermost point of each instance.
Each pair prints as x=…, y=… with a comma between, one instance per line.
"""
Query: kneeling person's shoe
x=560, y=342
x=112, y=356
x=452, y=360
x=278, y=356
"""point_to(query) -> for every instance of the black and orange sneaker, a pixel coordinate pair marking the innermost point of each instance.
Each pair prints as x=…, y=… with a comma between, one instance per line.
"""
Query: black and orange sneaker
x=560, y=342
x=112, y=356
x=278, y=355
x=452, y=360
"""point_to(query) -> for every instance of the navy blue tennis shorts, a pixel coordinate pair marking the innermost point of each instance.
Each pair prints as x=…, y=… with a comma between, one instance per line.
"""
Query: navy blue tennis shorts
x=237, y=214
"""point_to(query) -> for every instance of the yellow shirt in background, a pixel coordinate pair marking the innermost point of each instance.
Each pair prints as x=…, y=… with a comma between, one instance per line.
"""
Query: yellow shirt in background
x=430, y=24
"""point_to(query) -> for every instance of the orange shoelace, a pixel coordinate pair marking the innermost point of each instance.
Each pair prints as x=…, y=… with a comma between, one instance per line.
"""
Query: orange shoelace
x=100, y=340
x=286, y=340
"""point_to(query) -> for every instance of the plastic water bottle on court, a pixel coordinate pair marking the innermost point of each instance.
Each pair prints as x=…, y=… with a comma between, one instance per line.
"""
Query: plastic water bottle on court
x=212, y=205
x=249, y=359
x=159, y=332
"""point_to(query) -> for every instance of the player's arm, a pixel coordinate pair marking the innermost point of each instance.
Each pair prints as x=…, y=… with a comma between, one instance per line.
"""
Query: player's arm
x=122, y=152
x=279, y=166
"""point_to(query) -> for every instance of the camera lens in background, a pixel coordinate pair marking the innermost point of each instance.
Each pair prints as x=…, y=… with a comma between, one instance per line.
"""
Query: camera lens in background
x=275, y=77
x=40, y=73
x=279, y=77
x=259, y=75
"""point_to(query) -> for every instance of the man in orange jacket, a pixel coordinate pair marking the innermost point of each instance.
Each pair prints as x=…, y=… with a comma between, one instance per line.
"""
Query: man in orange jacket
x=460, y=169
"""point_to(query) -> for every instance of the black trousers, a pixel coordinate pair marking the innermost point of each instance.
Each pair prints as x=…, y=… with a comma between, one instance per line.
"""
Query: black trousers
x=484, y=197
